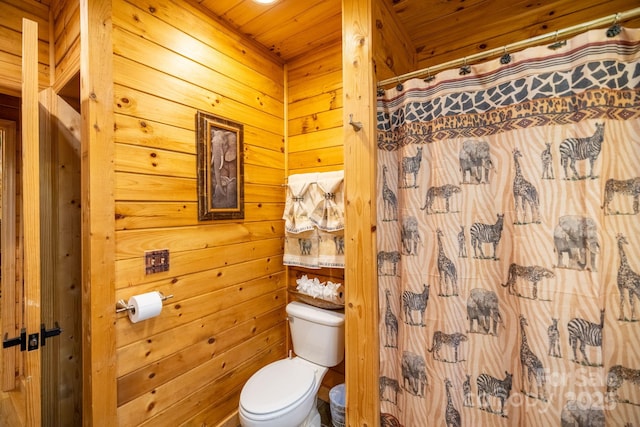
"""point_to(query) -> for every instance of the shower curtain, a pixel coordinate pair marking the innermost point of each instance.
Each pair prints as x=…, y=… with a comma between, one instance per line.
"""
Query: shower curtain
x=508, y=240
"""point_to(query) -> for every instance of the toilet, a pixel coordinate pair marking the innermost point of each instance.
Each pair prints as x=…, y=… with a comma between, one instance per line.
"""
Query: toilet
x=283, y=393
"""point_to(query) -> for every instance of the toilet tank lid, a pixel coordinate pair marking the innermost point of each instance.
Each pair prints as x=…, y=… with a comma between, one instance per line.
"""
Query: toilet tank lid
x=315, y=314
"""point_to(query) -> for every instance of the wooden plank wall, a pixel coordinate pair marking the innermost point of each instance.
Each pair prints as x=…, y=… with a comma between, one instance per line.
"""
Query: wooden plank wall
x=227, y=316
x=11, y=14
x=457, y=32
x=65, y=16
x=315, y=142
x=393, y=50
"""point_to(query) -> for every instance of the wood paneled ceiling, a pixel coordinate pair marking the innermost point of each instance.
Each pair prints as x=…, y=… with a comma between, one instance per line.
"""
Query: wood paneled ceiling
x=440, y=30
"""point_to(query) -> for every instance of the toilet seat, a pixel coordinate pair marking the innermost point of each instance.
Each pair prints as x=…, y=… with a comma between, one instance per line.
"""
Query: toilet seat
x=276, y=388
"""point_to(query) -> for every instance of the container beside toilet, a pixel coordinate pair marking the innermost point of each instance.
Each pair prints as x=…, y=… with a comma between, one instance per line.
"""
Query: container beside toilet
x=283, y=393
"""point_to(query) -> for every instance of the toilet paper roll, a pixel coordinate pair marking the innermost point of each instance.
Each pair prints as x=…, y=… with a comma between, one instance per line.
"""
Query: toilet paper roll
x=145, y=306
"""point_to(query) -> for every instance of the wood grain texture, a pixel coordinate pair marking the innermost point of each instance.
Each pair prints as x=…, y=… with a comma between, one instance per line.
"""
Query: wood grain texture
x=172, y=60
x=98, y=236
x=32, y=224
x=360, y=239
x=9, y=233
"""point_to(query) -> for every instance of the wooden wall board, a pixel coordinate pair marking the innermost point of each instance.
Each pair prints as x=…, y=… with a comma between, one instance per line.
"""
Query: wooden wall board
x=204, y=282
x=215, y=399
x=263, y=175
x=309, y=87
x=184, y=30
x=316, y=121
x=394, y=53
x=315, y=140
x=215, y=336
x=161, y=60
x=188, y=310
x=137, y=215
x=164, y=396
x=144, y=105
x=148, y=133
x=322, y=102
x=264, y=155
x=10, y=66
x=132, y=243
x=152, y=161
x=66, y=33
x=68, y=68
x=137, y=383
x=329, y=156
x=130, y=271
x=208, y=94
x=15, y=10
x=263, y=211
x=131, y=186
x=10, y=41
x=258, y=193
x=66, y=16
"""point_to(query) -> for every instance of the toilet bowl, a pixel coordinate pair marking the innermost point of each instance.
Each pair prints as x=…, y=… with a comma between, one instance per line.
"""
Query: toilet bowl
x=282, y=394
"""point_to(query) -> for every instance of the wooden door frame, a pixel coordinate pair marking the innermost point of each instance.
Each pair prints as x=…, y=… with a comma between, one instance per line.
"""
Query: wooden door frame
x=98, y=214
x=361, y=293
x=30, y=130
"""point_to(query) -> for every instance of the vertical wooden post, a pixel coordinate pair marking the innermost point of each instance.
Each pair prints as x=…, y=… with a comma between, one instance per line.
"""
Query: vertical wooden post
x=361, y=299
x=31, y=208
x=98, y=214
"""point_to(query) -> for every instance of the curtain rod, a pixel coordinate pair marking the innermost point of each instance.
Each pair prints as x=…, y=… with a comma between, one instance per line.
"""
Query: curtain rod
x=611, y=19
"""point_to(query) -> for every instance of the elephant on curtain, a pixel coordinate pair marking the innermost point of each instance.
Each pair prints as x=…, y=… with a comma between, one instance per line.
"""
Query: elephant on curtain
x=578, y=237
x=224, y=185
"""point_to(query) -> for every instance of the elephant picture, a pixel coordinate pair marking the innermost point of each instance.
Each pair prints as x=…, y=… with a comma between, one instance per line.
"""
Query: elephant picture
x=576, y=236
x=475, y=158
x=224, y=152
x=482, y=307
x=414, y=373
x=220, y=168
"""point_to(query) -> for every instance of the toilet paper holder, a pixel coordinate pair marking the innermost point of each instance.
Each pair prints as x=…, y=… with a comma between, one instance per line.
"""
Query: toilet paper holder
x=121, y=305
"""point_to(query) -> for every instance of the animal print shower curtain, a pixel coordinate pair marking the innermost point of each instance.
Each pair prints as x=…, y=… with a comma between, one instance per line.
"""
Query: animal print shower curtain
x=509, y=240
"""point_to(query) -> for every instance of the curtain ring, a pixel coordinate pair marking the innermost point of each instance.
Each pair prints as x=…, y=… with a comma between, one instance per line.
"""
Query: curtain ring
x=506, y=58
x=615, y=28
x=399, y=86
x=465, y=69
x=429, y=78
x=557, y=44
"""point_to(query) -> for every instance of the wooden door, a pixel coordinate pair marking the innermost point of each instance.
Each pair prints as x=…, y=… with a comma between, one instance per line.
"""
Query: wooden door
x=21, y=300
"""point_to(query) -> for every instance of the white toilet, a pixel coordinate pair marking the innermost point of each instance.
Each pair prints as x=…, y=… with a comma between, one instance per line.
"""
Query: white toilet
x=283, y=393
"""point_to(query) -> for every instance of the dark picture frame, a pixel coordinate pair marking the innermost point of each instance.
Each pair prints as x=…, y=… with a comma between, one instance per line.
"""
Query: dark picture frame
x=220, y=167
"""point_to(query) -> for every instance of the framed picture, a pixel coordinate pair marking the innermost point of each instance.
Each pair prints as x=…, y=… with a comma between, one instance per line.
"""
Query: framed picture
x=220, y=168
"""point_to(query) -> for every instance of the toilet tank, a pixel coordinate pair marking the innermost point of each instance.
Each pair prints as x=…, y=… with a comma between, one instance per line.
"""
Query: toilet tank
x=317, y=334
